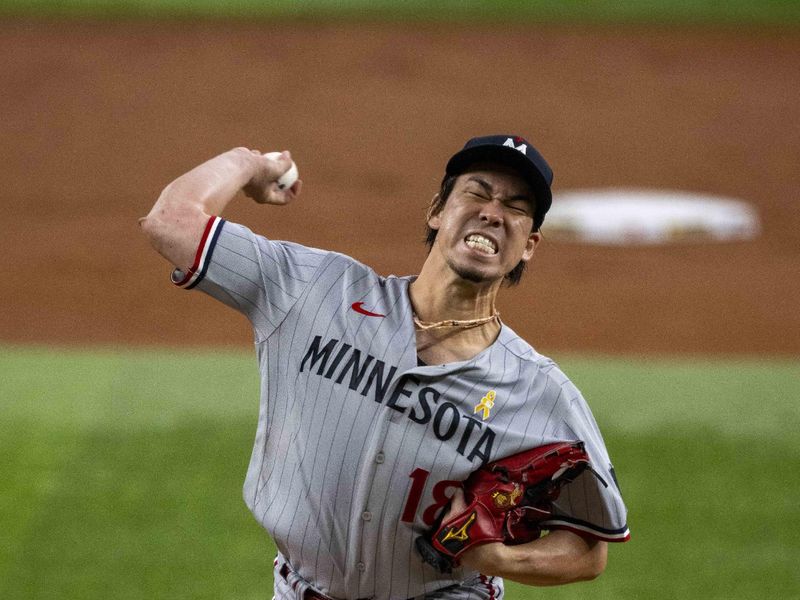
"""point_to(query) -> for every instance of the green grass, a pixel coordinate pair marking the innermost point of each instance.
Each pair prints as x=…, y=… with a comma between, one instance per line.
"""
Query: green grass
x=122, y=476
x=145, y=514
x=598, y=11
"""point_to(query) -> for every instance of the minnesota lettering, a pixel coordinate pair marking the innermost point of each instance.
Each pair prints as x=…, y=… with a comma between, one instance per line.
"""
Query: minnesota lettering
x=345, y=365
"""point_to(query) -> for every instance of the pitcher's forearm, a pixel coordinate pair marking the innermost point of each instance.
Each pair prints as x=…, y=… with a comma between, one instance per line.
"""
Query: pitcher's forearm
x=209, y=187
x=558, y=558
x=176, y=222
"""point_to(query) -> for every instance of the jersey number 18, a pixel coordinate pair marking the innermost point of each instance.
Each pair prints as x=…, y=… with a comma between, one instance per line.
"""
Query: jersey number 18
x=419, y=478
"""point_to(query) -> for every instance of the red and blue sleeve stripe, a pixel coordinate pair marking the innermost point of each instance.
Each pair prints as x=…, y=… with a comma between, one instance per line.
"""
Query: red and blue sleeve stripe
x=585, y=529
x=195, y=274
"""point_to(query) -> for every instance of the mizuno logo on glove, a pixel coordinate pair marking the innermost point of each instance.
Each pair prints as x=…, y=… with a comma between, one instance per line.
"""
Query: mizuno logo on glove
x=462, y=533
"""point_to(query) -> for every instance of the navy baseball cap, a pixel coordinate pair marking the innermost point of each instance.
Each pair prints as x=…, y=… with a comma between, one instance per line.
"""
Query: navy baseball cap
x=516, y=152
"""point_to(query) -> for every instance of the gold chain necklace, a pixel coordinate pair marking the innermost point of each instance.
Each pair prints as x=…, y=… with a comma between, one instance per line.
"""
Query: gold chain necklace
x=468, y=324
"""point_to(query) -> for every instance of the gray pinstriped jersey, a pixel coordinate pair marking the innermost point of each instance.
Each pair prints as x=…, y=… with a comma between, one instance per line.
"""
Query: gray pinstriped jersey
x=358, y=446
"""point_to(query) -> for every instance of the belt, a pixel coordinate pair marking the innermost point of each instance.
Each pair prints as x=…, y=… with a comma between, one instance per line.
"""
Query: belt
x=309, y=593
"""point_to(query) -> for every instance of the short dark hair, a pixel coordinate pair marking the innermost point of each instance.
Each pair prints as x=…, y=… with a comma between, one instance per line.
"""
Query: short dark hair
x=436, y=206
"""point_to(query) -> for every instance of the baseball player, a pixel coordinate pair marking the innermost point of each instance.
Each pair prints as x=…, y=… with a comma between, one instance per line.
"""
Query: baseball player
x=381, y=395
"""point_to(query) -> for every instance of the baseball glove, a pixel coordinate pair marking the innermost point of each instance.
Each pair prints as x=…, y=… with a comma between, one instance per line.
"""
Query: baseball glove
x=506, y=502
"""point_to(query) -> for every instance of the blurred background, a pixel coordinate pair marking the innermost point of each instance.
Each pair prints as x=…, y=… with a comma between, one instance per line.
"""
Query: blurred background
x=129, y=406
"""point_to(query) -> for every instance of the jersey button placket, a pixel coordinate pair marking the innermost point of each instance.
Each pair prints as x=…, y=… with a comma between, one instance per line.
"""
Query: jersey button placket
x=368, y=538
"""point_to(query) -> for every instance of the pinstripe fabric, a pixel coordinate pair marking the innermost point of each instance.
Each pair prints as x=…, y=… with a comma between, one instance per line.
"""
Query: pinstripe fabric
x=289, y=585
x=357, y=447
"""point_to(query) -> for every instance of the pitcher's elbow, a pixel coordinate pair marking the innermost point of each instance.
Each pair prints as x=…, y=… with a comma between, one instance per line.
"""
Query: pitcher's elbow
x=149, y=226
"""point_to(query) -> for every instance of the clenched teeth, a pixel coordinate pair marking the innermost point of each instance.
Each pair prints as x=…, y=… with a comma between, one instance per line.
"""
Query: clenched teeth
x=478, y=242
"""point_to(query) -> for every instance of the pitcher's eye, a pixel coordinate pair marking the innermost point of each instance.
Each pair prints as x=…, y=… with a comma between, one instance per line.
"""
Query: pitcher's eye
x=521, y=208
x=475, y=193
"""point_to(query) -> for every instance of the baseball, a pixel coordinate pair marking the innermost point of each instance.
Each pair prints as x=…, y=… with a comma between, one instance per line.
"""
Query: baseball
x=287, y=179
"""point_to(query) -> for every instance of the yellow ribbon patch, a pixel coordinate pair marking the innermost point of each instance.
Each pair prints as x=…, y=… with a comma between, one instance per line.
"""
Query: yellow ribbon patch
x=485, y=405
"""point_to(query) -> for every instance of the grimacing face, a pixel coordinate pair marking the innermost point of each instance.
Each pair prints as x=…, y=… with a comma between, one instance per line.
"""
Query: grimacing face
x=484, y=227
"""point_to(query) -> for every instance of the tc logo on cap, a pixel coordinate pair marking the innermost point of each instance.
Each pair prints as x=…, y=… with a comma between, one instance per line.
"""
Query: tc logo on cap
x=522, y=147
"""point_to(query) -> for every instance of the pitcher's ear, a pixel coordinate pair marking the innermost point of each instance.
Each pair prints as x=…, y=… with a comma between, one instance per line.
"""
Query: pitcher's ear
x=433, y=211
x=530, y=245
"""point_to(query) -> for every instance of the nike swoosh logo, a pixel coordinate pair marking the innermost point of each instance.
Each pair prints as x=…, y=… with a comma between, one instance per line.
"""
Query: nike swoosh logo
x=359, y=308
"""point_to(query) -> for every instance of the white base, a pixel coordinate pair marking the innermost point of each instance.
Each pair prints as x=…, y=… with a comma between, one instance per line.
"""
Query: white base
x=644, y=217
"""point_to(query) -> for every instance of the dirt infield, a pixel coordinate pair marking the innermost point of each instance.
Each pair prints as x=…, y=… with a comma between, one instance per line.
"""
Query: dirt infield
x=97, y=118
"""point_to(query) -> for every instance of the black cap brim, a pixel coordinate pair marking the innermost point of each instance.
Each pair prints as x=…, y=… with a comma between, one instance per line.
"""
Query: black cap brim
x=506, y=155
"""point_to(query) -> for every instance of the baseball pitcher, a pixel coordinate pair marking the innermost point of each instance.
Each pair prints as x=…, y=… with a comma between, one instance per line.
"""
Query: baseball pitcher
x=409, y=444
